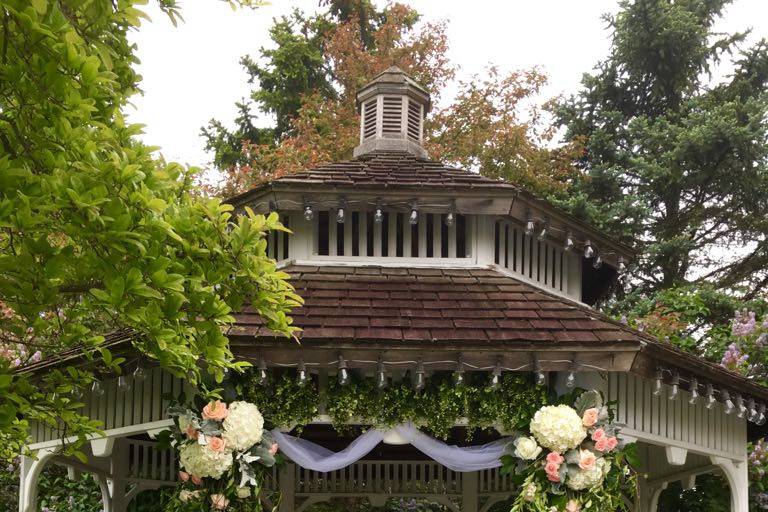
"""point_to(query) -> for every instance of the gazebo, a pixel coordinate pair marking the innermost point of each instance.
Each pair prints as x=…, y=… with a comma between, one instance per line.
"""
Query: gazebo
x=409, y=267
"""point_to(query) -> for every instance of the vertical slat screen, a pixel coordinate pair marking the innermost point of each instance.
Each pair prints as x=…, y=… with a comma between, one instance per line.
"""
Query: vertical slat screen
x=543, y=262
x=394, y=237
x=677, y=420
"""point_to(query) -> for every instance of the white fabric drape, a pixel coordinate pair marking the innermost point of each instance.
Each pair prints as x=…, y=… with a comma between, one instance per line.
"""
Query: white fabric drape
x=312, y=456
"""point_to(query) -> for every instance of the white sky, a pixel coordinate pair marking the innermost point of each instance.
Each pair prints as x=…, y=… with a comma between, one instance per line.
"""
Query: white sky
x=191, y=72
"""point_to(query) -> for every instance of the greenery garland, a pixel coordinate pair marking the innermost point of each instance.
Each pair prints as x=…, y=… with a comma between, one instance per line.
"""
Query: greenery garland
x=285, y=402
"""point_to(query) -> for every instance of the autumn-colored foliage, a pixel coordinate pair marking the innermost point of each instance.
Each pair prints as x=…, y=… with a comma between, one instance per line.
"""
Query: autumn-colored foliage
x=494, y=126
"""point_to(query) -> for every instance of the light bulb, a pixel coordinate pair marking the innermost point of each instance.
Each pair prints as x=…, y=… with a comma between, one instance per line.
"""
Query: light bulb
x=711, y=400
x=123, y=384
x=658, y=384
x=674, y=389
x=530, y=227
x=378, y=216
x=308, y=213
x=302, y=375
x=381, y=380
x=570, y=381
x=495, y=377
x=414, y=217
x=262, y=373
x=740, y=408
x=694, y=392
x=419, y=381
x=751, y=411
x=541, y=378
x=729, y=407
x=622, y=264
x=343, y=373
x=139, y=374
x=598, y=262
x=340, y=216
x=589, y=252
x=568, y=242
x=760, y=415
x=543, y=234
x=450, y=219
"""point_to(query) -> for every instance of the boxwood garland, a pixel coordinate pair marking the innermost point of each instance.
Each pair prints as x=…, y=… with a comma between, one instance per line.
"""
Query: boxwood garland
x=437, y=408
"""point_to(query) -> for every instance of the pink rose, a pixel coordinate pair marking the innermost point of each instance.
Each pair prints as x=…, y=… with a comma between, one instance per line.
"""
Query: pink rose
x=602, y=444
x=196, y=480
x=191, y=432
x=587, y=459
x=612, y=444
x=216, y=444
x=598, y=435
x=219, y=502
x=553, y=471
x=555, y=458
x=573, y=506
x=216, y=410
x=183, y=476
x=273, y=449
x=590, y=417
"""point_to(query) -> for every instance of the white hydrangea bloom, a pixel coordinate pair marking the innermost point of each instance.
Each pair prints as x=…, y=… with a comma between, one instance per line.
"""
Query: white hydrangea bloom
x=201, y=461
x=558, y=427
x=581, y=479
x=243, y=426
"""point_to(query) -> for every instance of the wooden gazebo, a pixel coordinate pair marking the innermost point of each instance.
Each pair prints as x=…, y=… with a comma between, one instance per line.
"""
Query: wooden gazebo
x=406, y=261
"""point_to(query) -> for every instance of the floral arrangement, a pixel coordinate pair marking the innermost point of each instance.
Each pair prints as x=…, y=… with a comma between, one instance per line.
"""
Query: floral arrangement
x=224, y=453
x=570, y=460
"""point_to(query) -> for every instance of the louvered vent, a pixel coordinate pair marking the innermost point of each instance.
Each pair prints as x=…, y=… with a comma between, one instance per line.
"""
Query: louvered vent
x=414, y=121
x=392, y=119
x=369, y=119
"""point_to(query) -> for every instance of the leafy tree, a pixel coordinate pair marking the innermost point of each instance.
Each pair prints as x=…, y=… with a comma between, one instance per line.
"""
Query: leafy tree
x=673, y=163
x=96, y=234
x=489, y=127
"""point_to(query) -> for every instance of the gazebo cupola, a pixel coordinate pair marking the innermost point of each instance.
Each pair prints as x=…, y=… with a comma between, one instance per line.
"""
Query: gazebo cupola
x=392, y=109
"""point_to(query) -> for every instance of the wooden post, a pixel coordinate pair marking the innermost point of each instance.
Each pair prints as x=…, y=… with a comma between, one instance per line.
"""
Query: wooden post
x=287, y=481
x=469, y=494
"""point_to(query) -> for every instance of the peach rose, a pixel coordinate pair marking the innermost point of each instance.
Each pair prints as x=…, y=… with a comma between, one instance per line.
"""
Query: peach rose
x=191, y=433
x=573, y=506
x=612, y=444
x=602, y=444
x=183, y=476
x=273, y=449
x=219, y=502
x=196, y=480
x=587, y=459
x=216, y=410
x=553, y=471
x=555, y=458
x=216, y=444
x=598, y=435
x=590, y=417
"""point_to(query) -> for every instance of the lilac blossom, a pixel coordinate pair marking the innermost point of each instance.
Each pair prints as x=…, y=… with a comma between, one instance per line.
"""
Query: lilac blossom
x=733, y=359
x=744, y=323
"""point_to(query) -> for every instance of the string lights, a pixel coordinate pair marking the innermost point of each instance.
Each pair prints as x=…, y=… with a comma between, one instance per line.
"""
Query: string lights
x=748, y=408
x=533, y=225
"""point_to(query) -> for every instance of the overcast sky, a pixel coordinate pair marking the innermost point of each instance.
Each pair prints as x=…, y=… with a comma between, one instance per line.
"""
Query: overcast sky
x=191, y=72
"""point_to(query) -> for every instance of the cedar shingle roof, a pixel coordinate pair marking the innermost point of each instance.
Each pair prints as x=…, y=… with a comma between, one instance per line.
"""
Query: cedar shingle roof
x=429, y=304
x=385, y=168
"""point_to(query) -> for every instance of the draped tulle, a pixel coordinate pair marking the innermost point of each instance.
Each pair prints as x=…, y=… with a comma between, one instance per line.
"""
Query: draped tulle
x=312, y=456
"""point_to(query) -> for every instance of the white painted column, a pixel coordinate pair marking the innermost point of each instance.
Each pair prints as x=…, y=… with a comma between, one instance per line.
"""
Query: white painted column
x=29, y=475
x=119, y=471
x=738, y=478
